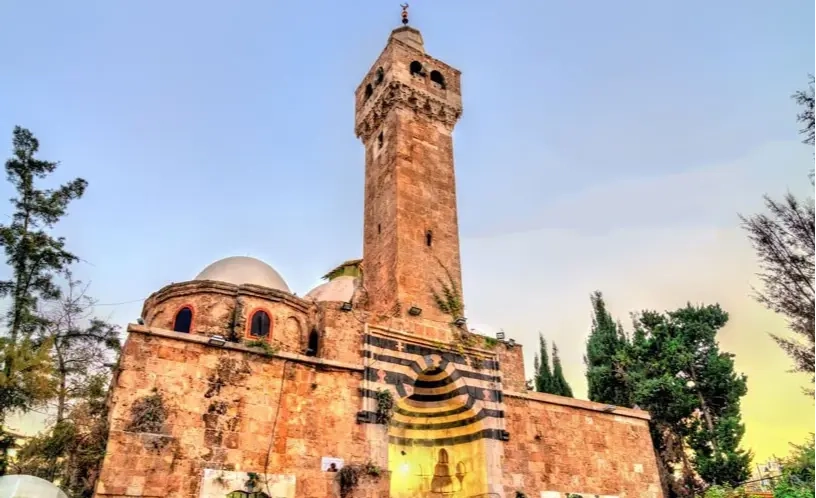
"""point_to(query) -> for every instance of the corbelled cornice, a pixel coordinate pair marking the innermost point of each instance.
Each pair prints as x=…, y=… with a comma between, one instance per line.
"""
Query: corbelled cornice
x=398, y=94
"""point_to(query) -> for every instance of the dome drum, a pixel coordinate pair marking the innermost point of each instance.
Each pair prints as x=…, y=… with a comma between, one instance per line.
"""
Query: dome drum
x=210, y=308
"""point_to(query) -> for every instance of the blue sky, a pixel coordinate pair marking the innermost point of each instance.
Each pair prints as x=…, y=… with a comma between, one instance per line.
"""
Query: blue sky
x=603, y=144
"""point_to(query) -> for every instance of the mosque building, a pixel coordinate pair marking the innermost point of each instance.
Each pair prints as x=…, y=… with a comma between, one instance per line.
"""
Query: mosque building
x=370, y=385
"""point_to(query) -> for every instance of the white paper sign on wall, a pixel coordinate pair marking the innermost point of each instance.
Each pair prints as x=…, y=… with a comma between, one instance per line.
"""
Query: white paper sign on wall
x=331, y=464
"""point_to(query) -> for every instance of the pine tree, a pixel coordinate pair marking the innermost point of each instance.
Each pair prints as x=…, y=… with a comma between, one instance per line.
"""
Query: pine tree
x=605, y=352
x=543, y=377
x=560, y=385
x=692, y=393
x=34, y=257
x=784, y=242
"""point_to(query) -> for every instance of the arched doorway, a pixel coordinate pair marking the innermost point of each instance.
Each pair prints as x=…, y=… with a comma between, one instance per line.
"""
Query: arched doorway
x=435, y=447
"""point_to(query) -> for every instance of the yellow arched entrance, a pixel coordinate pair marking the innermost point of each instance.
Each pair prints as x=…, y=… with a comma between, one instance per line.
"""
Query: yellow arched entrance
x=435, y=447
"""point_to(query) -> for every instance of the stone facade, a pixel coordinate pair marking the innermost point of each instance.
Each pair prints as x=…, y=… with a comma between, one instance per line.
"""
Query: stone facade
x=227, y=387
x=406, y=109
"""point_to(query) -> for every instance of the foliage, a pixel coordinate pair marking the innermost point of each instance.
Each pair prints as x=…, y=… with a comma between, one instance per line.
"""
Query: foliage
x=797, y=479
x=448, y=300
x=791, y=488
x=268, y=349
x=541, y=365
x=82, y=346
x=805, y=99
x=491, y=342
x=34, y=257
x=546, y=380
x=784, y=242
x=385, y=406
x=349, y=476
x=672, y=367
x=71, y=452
x=718, y=491
x=692, y=392
x=559, y=384
x=605, y=351
x=148, y=414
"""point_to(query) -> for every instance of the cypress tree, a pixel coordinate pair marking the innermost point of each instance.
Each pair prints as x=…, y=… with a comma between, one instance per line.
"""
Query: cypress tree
x=560, y=385
x=606, y=349
x=543, y=376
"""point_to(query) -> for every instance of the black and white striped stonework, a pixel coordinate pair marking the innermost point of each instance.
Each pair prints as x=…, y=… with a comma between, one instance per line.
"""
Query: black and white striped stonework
x=442, y=397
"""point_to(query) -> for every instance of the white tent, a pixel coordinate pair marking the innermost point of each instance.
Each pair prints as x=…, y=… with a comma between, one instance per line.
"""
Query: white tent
x=19, y=486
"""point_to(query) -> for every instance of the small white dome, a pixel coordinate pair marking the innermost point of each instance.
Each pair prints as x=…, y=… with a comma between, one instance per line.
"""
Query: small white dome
x=338, y=289
x=25, y=486
x=240, y=270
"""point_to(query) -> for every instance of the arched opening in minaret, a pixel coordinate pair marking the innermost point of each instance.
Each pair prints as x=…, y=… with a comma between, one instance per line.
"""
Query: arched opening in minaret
x=437, y=78
x=435, y=446
x=428, y=238
x=379, y=76
x=368, y=91
x=416, y=68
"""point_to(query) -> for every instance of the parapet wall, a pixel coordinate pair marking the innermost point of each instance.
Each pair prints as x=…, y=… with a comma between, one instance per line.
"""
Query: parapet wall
x=562, y=446
x=231, y=411
x=223, y=406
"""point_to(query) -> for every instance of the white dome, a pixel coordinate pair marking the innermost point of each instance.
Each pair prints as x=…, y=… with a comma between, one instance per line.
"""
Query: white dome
x=338, y=289
x=23, y=486
x=240, y=270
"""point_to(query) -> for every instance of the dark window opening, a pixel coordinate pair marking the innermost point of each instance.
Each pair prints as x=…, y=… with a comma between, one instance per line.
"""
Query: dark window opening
x=314, y=340
x=368, y=91
x=379, y=77
x=259, y=327
x=184, y=320
x=437, y=78
x=379, y=140
x=416, y=68
x=428, y=238
x=379, y=228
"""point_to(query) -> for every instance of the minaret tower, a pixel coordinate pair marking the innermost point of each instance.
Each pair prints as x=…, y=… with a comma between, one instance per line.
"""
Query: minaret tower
x=405, y=111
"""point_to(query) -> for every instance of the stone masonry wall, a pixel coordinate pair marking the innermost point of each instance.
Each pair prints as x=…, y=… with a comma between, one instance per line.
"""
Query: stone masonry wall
x=218, y=306
x=223, y=405
x=511, y=364
x=569, y=446
x=411, y=232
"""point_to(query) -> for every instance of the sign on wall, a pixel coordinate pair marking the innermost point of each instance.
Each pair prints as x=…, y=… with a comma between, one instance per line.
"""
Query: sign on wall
x=221, y=484
x=331, y=464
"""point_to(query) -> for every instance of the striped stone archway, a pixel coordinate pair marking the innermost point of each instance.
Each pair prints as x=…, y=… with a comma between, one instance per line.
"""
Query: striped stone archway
x=448, y=420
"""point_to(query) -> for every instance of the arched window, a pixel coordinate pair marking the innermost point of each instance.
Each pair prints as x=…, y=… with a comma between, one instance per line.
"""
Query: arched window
x=184, y=320
x=260, y=324
x=368, y=91
x=314, y=341
x=416, y=68
x=437, y=78
x=428, y=238
x=379, y=77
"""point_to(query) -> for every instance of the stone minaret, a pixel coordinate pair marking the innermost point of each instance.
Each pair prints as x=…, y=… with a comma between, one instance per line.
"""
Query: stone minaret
x=405, y=111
